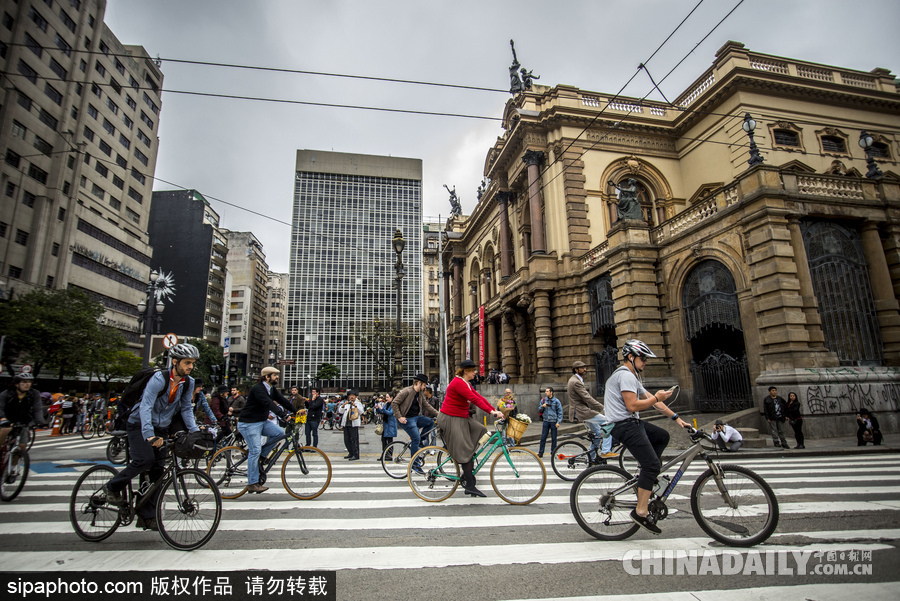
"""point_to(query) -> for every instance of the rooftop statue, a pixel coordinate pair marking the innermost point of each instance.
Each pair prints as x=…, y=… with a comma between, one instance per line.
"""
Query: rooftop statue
x=455, y=206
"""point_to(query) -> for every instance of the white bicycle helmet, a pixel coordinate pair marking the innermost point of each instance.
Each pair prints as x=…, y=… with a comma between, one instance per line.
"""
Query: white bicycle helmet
x=184, y=351
x=637, y=348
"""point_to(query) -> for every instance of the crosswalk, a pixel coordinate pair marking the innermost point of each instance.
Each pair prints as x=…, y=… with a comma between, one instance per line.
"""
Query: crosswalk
x=367, y=521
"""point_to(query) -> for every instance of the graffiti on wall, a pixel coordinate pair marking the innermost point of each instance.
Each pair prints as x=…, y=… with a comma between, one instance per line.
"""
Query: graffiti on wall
x=848, y=398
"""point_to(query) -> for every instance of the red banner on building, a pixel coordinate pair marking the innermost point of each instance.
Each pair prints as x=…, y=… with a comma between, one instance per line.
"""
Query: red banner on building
x=481, y=340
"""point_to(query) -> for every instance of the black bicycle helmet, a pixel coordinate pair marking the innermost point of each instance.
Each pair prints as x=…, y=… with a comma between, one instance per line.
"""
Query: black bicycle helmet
x=637, y=348
x=184, y=351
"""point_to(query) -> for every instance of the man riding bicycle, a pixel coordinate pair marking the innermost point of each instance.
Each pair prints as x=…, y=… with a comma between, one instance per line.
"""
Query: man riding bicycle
x=254, y=424
x=166, y=393
x=414, y=412
x=625, y=397
x=20, y=404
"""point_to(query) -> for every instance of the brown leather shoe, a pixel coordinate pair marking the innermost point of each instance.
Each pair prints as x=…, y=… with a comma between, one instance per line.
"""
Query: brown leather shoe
x=257, y=488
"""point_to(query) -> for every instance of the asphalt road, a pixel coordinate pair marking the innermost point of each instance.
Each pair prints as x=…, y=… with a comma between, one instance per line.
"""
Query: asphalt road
x=385, y=543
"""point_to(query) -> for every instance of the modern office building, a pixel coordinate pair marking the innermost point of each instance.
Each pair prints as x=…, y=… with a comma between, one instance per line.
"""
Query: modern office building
x=276, y=315
x=187, y=243
x=247, y=309
x=78, y=125
x=347, y=208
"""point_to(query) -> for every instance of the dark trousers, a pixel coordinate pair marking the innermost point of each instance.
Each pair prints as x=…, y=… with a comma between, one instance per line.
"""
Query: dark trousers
x=385, y=442
x=646, y=443
x=797, y=425
x=312, y=432
x=876, y=437
x=351, y=440
x=144, y=458
x=551, y=428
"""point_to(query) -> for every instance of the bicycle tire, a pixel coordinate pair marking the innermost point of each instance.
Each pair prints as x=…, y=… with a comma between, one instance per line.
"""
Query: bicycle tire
x=568, y=460
x=190, y=523
x=228, y=470
x=12, y=478
x=397, y=466
x=31, y=437
x=514, y=479
x=314, y=482
x=91, y=516
x=627, y=461
x=338, y=426
x=431, y=486
x=747, y=524
x=88, y=431
x=115, y=451
x=601, y=517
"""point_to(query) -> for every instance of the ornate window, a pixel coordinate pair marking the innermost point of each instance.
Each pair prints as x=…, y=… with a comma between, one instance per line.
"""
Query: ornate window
x=786, y=136
x=710, y=299
x=833, y=142
x=603, y=316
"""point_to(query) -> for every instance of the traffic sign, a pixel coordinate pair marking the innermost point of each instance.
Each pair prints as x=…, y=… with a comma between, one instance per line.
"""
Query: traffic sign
x=225, y=352
x=227, y=341
x=26, y=368
x=170, y=340
x=284, y=362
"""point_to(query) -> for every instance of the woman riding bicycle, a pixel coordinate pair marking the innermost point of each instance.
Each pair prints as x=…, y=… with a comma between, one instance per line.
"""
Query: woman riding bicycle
x=625, y=397
x=461, y=433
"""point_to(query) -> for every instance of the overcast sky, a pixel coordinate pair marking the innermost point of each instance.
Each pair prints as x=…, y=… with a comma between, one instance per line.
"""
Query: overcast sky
x=243, y=151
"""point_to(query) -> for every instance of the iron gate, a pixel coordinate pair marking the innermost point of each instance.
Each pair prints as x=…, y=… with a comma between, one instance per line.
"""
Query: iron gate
x=721, y=383
x=605, y=363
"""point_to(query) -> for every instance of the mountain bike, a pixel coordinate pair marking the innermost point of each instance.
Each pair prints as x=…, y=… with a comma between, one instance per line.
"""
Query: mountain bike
x=517, y=475
x=395, y=457
x=116, y=448
x=732, y=504
x=571, y=457
x=15, y=463
x=188, y=506
x=305, y=472
x=96, y=425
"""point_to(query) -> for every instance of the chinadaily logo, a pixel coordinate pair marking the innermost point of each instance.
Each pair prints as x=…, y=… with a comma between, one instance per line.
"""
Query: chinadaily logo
x=762, y=563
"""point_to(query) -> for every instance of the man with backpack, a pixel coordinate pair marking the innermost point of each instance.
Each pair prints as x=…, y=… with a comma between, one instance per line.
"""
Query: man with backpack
x=165, y=393
x=20, y=404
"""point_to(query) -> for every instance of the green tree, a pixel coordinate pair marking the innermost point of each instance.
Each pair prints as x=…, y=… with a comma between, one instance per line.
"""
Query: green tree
x=109, y=358
x=378, y=338
x=327, y=371
x=120, y=364
x=50, y=328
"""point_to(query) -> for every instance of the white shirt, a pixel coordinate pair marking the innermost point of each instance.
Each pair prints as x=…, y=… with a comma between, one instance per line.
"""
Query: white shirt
x=728, y=434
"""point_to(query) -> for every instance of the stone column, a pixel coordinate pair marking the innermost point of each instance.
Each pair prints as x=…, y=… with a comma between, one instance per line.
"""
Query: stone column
x=458, y=292
x=807, y=293
x=532, y=159
x=883, y=292
x=492, y=358
x=506, y=262
x=543, y=333
x=510, y=361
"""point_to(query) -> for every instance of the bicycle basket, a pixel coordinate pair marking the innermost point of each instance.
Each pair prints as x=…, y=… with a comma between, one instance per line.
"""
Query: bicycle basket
x=193, y=445
x=515, y=429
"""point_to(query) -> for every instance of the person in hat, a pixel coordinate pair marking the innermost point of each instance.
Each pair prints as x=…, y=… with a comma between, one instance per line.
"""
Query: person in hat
x=254, y=424
x=413, y=412
x=726, y=437
x=868, y=429
x=461, y=433
x=351, y=426
x=588, y=410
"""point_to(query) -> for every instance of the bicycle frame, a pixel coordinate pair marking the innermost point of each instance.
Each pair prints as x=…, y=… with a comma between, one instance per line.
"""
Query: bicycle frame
x=485, y=451
x=291, y=433
x=171, y=471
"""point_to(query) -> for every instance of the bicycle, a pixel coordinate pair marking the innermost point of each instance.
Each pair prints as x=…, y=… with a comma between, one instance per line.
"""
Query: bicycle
x=732, y=504
x=115, y=449
x=32, y=434
x=395, y=457
x=15, y=464
x=571, y=457
x=188, y=507
x=513, y=471
x=97, y=425
x=305, y=473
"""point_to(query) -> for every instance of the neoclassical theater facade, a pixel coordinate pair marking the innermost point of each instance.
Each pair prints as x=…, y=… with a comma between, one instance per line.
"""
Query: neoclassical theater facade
x=785, y=272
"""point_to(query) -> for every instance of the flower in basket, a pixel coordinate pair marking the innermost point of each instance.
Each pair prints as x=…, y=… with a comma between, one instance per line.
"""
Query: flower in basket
x=522, y=417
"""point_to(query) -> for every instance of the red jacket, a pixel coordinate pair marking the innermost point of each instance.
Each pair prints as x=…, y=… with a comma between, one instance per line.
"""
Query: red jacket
x=459, y=394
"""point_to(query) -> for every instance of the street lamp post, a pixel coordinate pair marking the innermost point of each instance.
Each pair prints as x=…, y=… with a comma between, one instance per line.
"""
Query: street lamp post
x=399, y=243
x=866, y=141
x=749, y=125
x=149, y=310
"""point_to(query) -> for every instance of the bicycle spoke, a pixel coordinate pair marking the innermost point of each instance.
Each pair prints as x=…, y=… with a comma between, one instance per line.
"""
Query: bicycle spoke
x=518, y=476
x=603, y=516
x=306, y=473
x=188, y=510
x=745, y=514
x=428, y=471
x=395, y=460
x=92, y=517
x=228, y=470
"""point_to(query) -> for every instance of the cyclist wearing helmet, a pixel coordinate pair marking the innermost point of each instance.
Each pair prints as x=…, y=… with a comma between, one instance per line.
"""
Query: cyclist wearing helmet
x=167, y=392
x=20, y=404
x=625, y=397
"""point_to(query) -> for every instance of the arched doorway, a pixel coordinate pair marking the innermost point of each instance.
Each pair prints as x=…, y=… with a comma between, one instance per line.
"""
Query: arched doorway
x=603, y=326
x=712, y=324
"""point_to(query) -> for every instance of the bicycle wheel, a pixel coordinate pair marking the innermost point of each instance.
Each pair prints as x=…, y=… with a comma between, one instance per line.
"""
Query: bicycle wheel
x=432, y=484
x=92, y=517
x=569, y=459
x=115, y=450
x=599, y=514
x=395, y=460
x=188, y=510
x=88, y=431
x=14, y=474
x=520, y=479
x=31, y=436
x=228, y=469
x=316, y=478
x=627, y=461
x=749, y=514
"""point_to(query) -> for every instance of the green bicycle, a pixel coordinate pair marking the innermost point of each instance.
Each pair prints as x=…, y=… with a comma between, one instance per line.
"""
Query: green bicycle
x=518, y=476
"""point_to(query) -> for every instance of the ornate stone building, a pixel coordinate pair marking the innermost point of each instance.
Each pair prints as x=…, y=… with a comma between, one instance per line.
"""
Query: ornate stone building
x=785, y=272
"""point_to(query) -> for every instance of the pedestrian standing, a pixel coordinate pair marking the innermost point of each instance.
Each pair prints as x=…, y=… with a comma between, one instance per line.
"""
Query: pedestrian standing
x=351, y=420
x=315, y=406
x=795, y=418
x=236, y=402
x=590, y=411
x=68, y=413
x=330, y=408
x=774, y=408
x=552, y=412
x=81, y=414
x=389, y=422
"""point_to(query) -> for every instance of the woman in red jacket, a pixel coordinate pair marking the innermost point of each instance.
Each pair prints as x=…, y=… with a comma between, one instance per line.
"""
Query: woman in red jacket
x=461, y=433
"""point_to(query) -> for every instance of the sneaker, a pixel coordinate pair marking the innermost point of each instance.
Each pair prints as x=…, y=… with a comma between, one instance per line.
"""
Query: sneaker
x=645, y=522
x=417, y=467
x=610, y=455
x=800, y=446
x=146, y=523
x=111, y=496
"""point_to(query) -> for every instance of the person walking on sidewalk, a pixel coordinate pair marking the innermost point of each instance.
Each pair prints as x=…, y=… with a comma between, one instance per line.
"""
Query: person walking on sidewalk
x=351, y=418
x=414, y=413
x=774, y=408
x=795, y=418
x=552, y=411
x=589, y=410
x=726, y=437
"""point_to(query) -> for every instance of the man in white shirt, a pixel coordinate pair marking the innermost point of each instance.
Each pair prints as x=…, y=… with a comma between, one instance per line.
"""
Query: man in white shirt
x=726, y=437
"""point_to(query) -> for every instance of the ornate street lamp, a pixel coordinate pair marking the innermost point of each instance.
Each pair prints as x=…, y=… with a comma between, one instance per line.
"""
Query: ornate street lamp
x=866, y=141
x=149, y=315
x=750, y=125
x=399, y=244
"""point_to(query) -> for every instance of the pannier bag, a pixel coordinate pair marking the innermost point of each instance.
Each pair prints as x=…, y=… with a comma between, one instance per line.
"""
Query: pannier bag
x=193, y=445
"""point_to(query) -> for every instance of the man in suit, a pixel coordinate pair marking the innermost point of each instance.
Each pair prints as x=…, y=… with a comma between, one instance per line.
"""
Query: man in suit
x=588, y=409
x=413, y=411
x=254, y=424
